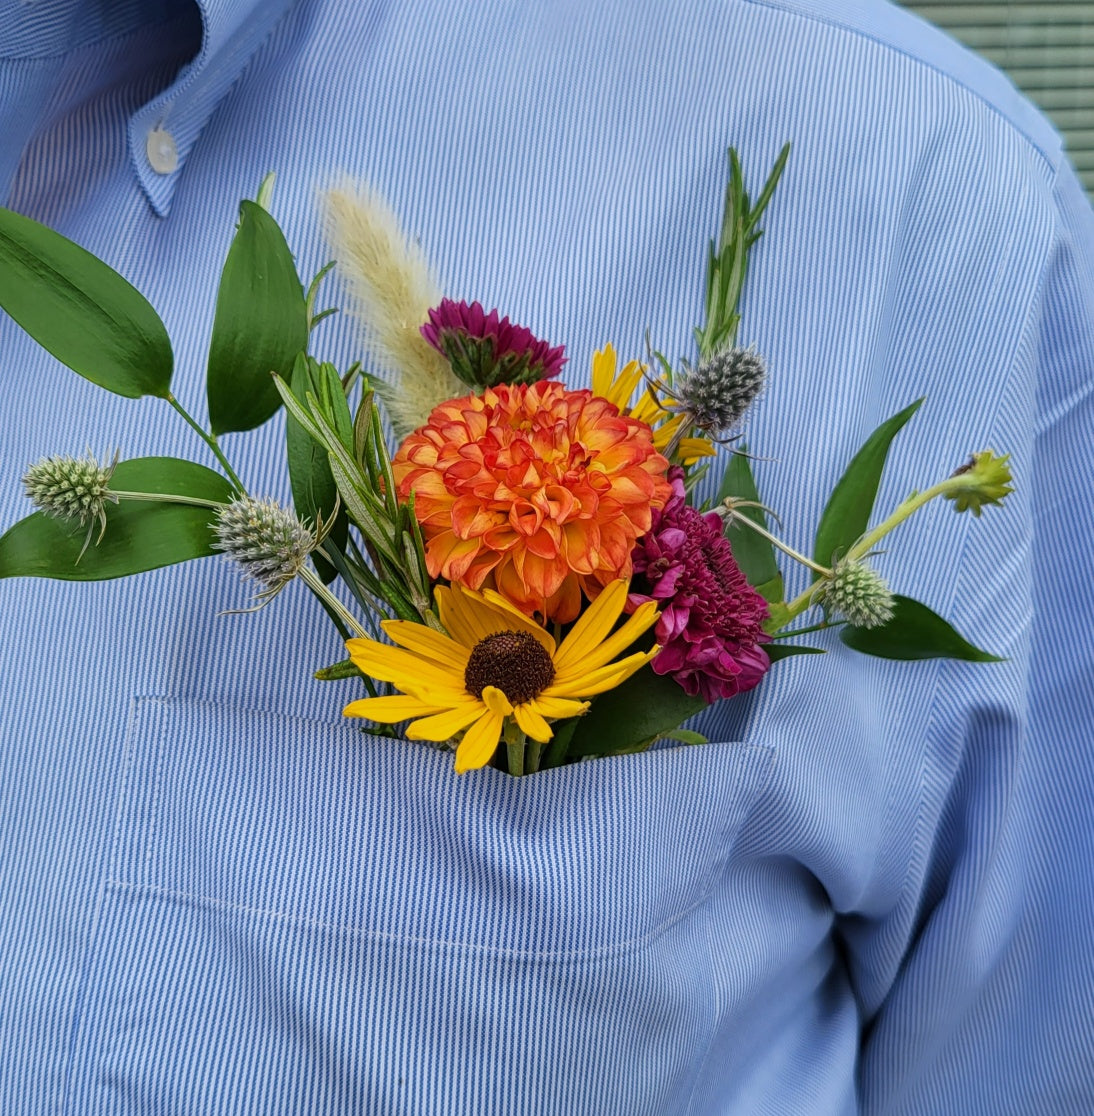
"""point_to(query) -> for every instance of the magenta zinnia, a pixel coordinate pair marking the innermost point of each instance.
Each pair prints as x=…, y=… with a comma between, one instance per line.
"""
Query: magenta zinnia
x=711, y=624
x=485, y=350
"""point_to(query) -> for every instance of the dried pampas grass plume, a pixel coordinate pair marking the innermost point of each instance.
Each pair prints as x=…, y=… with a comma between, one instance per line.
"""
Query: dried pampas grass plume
x=393, y=288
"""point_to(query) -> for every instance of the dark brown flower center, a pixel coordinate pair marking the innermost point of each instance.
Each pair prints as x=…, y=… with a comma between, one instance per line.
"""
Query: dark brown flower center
x=515, y=662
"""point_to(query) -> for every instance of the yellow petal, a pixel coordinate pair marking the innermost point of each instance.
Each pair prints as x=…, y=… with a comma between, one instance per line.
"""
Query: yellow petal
x=390, y=710
x=644, y=618
x=557, y=708
x=691, y=449
x=597, y=681
x=592, y=627
x=445, y=725
x=496, y=701
x=423, y=640
x=479, y=743
x=603, y=372
x=531, y=723
x=513, y=619
x=406, y=670
x=471, y=617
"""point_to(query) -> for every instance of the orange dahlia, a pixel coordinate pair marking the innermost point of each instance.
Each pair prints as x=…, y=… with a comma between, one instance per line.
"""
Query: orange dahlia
x=533, y=490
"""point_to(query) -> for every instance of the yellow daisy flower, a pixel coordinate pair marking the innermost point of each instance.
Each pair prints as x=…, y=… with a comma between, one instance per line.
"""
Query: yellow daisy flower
x=496, y=663
x=618, y=388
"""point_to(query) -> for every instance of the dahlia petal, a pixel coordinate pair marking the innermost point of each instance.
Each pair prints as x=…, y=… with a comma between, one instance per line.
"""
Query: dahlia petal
x=565, y=604
x=448, y=556
x=469, y=518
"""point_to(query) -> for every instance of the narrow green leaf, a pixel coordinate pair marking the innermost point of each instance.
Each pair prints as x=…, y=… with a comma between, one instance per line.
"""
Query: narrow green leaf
x=847, y=513
x=915, y=632
x=769, y=187
x=633, y=715
x=260, y=325
x=140, y=535
x=81, y=310
x=335, y=407
x=754, y=554
x=345, y=668
x=314, y=492
x=777, y=651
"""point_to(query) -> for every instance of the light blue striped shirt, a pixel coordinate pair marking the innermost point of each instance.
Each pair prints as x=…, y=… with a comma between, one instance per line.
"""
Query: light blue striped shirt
x=872, y=893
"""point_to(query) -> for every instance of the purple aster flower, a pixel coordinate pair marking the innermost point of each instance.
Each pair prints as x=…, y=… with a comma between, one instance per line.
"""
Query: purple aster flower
x=711, y=624
x=485, y=350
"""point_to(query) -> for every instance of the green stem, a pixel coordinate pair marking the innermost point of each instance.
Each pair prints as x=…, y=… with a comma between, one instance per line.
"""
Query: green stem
x=822, y=626
x=867, y=542
x=210, y=441
x=902, y=512
x=167, y=498
x=789, y=551
x=514, y=747
x=315, y=583
x=535, y=750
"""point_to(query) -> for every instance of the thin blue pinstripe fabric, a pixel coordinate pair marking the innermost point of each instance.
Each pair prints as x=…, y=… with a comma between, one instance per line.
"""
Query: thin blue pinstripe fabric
x=871, y=893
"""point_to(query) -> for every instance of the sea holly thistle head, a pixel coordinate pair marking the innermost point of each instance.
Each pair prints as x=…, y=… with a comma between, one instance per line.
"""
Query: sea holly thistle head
x=485, y=350
x=76, y=488
x=715, y=393
x=267, y=541
x=985, y=479
x=857, y=593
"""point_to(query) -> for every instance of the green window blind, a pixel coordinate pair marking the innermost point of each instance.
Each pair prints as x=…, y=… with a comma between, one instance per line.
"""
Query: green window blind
x=1048, y=51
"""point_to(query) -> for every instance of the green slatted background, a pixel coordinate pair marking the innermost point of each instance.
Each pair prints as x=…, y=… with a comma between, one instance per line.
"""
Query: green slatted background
x=1048, y=50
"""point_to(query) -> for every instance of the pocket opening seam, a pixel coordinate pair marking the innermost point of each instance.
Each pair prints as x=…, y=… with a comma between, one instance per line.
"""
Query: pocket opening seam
x=138, y=891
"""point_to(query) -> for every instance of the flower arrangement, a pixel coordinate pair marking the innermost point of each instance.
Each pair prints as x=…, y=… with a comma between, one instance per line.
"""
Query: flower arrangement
x=528, y=579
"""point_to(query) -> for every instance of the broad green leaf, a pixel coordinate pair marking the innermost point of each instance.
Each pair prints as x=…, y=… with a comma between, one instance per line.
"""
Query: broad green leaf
x=260, y=324
x=314, y=492
x=686, y=736
x=633, y=715
x=915, y=632
x=140, y=535
x=81, y=310
x=754, y=554
x=847, y=513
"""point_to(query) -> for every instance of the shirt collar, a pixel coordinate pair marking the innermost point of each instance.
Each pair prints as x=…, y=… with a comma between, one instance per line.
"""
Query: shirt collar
x=232, y=30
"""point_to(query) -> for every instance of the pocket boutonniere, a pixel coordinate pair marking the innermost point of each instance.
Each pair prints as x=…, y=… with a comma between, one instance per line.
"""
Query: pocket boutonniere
x=525, y=575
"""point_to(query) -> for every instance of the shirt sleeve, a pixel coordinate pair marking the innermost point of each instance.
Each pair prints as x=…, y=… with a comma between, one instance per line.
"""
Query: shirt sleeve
x=989, y=1009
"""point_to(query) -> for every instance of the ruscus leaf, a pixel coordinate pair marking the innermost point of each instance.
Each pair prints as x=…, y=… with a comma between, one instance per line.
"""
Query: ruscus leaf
x=81, y=310
x=847, y=513
x=753, y=553
x=259, y=327
x=633, y=715
x=914, y=632
x=140, y=535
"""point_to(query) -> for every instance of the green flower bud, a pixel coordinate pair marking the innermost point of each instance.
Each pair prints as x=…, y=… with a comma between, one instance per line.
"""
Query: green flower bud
x=858, y=594
x=984, y=480
x=76, y=488
x=268, y=541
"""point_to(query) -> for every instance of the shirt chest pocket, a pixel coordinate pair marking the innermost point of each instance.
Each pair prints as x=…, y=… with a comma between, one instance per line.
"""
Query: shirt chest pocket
x=299, y=917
